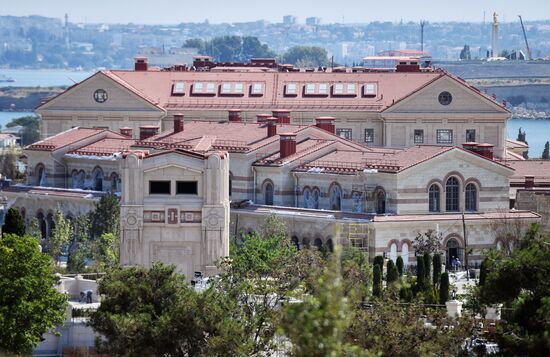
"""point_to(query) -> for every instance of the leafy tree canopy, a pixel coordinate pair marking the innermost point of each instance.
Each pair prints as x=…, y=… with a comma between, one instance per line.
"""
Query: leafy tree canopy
x=29, y=303
x=13, y=223
x=306, y=56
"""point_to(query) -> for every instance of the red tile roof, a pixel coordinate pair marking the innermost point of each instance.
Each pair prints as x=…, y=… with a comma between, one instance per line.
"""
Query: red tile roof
x=157, y=88
x=105, y=147
x=64, y=138
x=540, y=169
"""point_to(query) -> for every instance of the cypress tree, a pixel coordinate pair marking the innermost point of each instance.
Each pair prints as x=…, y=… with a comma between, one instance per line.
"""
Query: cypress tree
x=377, y=281
x=392, y=274
x=379, y=260
x=400, y=265
x=546, y=152
x=436, y=269
x=444, y=288
x=420, y=273
x=483, y=272
x=14, y=223
x=427, y=265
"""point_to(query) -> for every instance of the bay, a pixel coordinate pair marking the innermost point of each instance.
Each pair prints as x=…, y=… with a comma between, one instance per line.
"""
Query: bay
x=537, y=134
x=42, y=78
x=6, y=117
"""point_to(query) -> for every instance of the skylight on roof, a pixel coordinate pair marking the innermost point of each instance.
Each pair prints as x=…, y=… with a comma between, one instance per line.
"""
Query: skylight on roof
x=291, y=89
x=178, y=88
x=370, y=89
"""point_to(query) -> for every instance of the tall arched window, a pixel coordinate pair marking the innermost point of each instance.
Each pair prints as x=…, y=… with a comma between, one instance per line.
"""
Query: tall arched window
x=335, y=197
x=74, y=179
x=357, y=199
x=268, y=194
x=40, y=172
x=393, y=252
x=315, y=194
x=451, y=195
x=115, y=182
x=471, y=197
x=405, y=253
x=42, y=223
x=434, y=198
x=307, y=198
x=380, y=202
x=97, y=179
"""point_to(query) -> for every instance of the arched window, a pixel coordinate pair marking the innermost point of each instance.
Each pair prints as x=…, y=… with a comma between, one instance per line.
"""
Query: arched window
x=318, y=243
x=74, y=179
x=307, y=198
x=268, y=194
x=295, y=242
x=42, y=224
x=335, y=197
x=451, y=195
x=97, y=177
x=40, y=172
x=471, y=197
x=315, y=193
x=357, y=198
x=51, y=224
x=405, y=253
x=305, y=243
x=434, y=198
x=330, y=245
x=454, y=252
x=380, y=202
x=115, y=182
x=393, y=252
x=81, y=179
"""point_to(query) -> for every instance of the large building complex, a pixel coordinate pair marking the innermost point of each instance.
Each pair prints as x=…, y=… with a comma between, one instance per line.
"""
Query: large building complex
x=369, y=159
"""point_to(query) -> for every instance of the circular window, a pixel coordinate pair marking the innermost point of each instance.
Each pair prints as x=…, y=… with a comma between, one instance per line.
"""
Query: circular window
x=445, y=98
x=100, y=96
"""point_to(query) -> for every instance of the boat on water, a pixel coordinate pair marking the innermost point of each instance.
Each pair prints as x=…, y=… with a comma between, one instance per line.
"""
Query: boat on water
x=6, y=79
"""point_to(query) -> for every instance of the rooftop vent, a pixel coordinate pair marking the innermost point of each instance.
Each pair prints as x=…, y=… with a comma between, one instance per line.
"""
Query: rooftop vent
x=140, y=64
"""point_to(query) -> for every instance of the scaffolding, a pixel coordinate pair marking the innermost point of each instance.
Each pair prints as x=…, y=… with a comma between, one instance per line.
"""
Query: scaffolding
x=357, y=235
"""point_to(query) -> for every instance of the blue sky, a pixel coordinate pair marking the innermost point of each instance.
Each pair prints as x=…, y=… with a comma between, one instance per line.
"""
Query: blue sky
x=216, y=11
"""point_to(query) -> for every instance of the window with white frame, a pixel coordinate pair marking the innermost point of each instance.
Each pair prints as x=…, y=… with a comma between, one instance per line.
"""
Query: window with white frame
x=310, y=88
x=178, y=88
x=370, y=90
x=291, y=89
x=345, y=133
x=444, y=136
x=369, y=135
x=257, y=89
x=344, y=89
x=418, y=136
x=226, y=88
x=204, y=88
x=232, y=88
x=320, y=89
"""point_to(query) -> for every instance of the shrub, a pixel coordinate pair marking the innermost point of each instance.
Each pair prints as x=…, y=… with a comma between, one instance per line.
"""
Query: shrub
x=392, y=274
x=377, y=281
x=444, y=288
x=399, y=264
x=420, y=274
x=436, y=269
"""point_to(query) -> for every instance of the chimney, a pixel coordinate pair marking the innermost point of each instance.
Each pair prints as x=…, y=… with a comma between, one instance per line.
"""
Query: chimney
x=529, y=181
x=260, y=118
x=288, y=144
x=126, y=131
x=178, y=122
x=326, y=123
x=147, y=131
x=283, y=116
x=235, y=115
x=271, y=126
x=140, y=64
x=471, y=146
x=485, y=150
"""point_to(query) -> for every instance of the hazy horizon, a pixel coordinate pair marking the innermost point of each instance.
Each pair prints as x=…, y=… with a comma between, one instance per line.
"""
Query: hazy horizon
x=355, y=11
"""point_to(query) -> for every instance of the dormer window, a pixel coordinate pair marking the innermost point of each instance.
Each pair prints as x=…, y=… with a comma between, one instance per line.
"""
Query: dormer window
x=344, y=89
x=236, y=89
x=291, y=89
x=316, y=89
x=370, y=90
x=200, y=88
x=178, y=88
x=256, y=89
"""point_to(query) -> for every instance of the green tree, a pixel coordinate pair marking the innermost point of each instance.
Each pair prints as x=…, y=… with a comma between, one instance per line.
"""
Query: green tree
x=377, y=281
x=483, y=272
x=444, y=288
x=29, y=303
x=436, y=269
x=420, y=273
x=105, y=251
x=81, y=248
x=60, y=237
x=519, y=280
x=356, y=272
x=316, y=326
x=306, y=56
x=427, y=264
x=33, y=229
x=521, y=135
x=400, y=265
x=546, y=151
x=105, y=218
x=13, y=223
x=391, y=275
x=390, y=328
x=379, y=260
x=8, y=163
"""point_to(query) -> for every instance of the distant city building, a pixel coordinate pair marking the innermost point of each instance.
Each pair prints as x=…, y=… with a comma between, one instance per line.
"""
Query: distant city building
x=165, y=57
x=313, y=21
x=289, y=20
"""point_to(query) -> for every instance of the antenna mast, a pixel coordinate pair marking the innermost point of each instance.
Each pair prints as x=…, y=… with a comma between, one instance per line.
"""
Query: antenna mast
x=525, y=37
x=422, y=24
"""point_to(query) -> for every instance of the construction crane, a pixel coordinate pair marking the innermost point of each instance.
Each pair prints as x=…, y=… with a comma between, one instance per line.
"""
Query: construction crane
x=525, y=37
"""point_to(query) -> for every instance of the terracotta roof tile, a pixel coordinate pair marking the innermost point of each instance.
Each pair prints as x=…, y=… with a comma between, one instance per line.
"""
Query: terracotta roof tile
x=540, y=169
